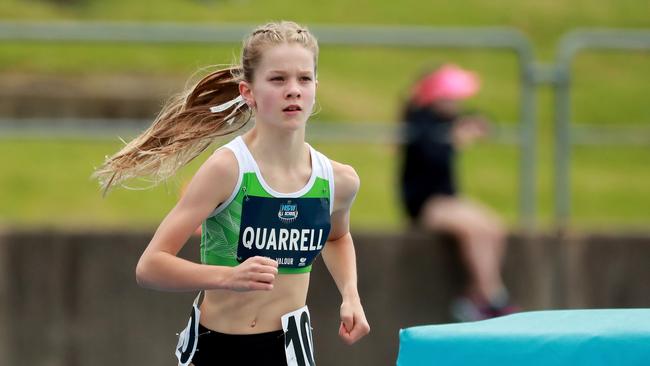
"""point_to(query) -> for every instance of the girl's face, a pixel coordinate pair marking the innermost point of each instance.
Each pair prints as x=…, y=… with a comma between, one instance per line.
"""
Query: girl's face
x=283, y=90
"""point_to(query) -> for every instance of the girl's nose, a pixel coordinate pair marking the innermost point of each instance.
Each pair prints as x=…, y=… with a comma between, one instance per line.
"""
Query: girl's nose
x=293, y=91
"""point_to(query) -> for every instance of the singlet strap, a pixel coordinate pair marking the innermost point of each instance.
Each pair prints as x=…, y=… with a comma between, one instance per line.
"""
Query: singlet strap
x=323, y=167
x=236, y=147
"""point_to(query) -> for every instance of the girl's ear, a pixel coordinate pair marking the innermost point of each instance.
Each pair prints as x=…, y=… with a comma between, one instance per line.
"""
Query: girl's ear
x=247, y=93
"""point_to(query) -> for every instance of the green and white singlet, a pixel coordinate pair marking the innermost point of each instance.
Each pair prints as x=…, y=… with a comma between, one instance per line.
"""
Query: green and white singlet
x=291, y=228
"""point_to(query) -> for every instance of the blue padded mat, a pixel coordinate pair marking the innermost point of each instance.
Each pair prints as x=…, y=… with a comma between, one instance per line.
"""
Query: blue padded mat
x=555, y=337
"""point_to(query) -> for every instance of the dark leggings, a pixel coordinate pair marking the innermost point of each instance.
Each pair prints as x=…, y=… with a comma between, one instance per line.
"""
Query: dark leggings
x=216, y=348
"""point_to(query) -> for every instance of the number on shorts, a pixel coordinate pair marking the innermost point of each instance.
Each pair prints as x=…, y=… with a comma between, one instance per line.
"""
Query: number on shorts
x=301, y=340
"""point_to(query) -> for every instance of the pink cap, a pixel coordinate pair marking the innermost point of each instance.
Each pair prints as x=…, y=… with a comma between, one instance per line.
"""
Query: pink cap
x=447, y=82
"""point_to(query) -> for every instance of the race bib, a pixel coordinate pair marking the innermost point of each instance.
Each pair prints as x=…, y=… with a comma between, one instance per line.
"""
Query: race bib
x=290, y=231
x=298, y=340
x=189, y=337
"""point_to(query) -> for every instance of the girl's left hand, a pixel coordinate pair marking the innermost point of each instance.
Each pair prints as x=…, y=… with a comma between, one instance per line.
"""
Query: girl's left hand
x=353, y=322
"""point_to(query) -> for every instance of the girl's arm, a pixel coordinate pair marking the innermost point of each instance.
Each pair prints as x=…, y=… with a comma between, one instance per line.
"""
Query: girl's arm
x=339, y=255
x=160, y=268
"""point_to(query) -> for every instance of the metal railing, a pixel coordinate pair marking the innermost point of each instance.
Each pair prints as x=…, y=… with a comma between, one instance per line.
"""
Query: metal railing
x=413, y=37
x=569, y=47
x=531, y=75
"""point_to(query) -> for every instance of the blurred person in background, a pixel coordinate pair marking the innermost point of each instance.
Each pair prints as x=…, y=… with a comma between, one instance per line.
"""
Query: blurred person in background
x=267, y=201
x=436, y=128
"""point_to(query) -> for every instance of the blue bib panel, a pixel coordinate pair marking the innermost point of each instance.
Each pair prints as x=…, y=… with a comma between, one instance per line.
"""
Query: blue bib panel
x=291, y=231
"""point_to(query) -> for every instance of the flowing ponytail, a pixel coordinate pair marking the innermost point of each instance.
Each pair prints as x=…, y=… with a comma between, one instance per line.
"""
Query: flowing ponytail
x=185, y=127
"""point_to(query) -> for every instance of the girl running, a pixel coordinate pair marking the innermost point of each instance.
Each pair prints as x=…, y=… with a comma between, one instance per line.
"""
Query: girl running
x=267, y=202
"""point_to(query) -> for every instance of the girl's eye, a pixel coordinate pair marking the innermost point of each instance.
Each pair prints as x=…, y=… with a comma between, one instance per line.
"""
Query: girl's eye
x=277, y=78
x=305, y=78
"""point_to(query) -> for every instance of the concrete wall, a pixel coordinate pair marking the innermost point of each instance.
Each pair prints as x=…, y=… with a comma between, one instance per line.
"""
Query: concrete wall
x=71, y=298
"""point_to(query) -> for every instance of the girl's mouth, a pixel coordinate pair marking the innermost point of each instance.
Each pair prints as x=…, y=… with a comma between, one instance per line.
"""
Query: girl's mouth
x=292, y=108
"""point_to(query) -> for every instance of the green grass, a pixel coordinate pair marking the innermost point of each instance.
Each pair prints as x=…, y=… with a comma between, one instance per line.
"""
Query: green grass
x=544, y=21
x=608, y=88
x=46, y=182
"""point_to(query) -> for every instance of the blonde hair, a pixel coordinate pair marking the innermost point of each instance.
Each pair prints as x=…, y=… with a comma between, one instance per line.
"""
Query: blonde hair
x=186, y=126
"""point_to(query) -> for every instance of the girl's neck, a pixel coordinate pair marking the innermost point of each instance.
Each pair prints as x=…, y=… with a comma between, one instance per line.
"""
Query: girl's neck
x=277, y=147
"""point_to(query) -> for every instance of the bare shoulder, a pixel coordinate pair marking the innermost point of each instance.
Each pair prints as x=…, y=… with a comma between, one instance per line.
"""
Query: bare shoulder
x=346, y=182
x=223, y=163
x=216, y=178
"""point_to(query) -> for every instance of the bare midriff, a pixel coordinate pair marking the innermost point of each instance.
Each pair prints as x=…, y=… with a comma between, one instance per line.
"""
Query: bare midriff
x=251, y=312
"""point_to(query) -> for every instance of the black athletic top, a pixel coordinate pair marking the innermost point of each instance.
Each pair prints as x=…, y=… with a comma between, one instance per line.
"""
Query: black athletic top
x=427, y=158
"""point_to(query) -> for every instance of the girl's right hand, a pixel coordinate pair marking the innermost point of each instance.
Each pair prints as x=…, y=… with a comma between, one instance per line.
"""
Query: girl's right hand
x=255, y=273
